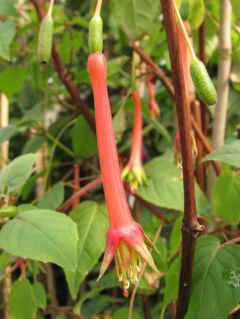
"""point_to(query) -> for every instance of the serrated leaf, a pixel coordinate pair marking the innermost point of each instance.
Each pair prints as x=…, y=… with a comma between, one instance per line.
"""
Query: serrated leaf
x=83, y=139
x=7, y=33
x=226, y=199
x=228, y=153
x=14, y=175
x=6, y=133
x=53, y=198
x=216, y=277
x=135, y=16
x=164, y=188
x=42, y=235
x=22, y=301
x=92, y=224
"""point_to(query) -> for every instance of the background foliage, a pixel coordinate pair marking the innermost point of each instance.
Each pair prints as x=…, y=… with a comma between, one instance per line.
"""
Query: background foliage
x=54, y=258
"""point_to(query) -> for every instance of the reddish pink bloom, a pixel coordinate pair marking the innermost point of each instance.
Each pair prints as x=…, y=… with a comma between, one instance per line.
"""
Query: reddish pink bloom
x=133, y=172
x=125, y=238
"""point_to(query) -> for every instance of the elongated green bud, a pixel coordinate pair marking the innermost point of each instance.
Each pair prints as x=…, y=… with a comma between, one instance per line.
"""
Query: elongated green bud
x=95, y=40
x=203, y=84
x=45, y=39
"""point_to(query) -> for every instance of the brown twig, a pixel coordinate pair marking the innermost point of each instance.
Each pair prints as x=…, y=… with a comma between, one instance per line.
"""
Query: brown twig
x=63, y=72
x=191, y=227
x=155, y=68
x=169, y=86
x=81, y=192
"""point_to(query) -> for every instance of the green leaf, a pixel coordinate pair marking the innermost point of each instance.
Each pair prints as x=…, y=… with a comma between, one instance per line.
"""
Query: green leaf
x=171, y=288
x=7, y=7
x=135, y=17
x=197, y=11
x=33, y=144
x=83, y=139
x=176, y=235
x=40, y=295
x=33, y=115
x=228, y=153
x=164, y=188
x=226, y=199
x=12, y=79
x=53, y=198
x=42, y=235
x=6, y=133
x=7, y=33
x=123, y=313
x=14, y=175
x=22, y=301
x=216, y=277
x=92, y=225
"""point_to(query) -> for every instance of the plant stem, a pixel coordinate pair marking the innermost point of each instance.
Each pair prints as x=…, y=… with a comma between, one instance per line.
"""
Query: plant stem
x=50, y=8
x=98, y=8
x=60, y=145
x=189, y=44
x=81, y=192
x=191, y=227
x=225, y=54
x=53, y=151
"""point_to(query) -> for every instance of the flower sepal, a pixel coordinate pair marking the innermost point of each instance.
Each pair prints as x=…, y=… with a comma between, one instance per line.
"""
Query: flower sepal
x=128, y=246
x=134, y=175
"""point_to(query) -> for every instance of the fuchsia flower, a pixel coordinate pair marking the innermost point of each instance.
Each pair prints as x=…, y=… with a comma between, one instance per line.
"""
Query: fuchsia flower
x=125, y=237
x=133, y=172
x=153, y=106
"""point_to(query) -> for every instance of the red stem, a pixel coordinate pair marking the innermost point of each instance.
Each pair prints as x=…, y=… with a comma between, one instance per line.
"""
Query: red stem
x=81, y=192
x=117, y=206
x=191, y=226
x=136, y=150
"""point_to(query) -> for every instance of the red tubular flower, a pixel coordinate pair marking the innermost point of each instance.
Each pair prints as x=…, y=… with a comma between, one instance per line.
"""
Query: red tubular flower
x=153, y=106
x=125, y=238
x=134, y=173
